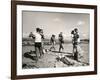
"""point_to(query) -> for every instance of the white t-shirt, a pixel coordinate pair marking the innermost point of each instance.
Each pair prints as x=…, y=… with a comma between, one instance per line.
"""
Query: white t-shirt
x=37, y=37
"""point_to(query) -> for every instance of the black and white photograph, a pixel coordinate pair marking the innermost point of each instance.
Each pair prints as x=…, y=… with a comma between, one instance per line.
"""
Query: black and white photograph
x=55, y=40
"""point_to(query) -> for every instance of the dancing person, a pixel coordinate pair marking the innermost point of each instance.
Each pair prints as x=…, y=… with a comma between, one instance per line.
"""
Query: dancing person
x=61, y=41
x=52, y=41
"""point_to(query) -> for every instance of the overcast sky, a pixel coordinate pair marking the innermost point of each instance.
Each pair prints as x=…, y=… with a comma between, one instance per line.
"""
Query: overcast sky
x=54, y=23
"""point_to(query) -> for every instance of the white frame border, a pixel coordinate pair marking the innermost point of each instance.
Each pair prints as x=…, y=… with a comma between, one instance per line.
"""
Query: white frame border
x=21, y=71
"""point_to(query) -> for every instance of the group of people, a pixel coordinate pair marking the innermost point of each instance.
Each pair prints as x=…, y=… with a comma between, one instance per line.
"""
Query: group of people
x=38, y=36
x=60, y=39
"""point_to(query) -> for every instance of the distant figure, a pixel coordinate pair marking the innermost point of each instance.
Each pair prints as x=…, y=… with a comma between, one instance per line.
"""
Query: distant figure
x=38, y=44
x=75, y=43
x=72, y=35
x=61, y=41
x=52, y=41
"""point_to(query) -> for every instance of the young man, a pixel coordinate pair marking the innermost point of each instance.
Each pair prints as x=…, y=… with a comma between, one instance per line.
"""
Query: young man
x=61, y=41
x=38, y=42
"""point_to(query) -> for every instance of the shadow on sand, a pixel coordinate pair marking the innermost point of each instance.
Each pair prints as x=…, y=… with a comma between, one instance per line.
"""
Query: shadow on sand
x=28, y=55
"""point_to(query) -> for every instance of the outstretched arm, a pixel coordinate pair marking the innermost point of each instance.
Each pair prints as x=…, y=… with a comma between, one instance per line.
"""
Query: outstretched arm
x=32, y=35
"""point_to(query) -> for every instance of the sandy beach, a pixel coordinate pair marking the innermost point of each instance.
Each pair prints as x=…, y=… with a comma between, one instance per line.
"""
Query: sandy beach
x=53, y=59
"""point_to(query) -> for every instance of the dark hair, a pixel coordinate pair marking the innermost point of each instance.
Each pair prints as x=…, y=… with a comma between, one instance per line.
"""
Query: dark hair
x=76, y=29
x=53, y=35
x=41, y=30
x=38, y=29
x=72, y=32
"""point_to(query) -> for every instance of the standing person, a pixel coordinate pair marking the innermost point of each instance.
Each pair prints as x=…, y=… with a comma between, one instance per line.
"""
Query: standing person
x=42, y=37
x=31, y=35
x=52, y=41
x=41, y=33
x=76, y=38
x=72, y=35
x=61, y=41
x=38, y=40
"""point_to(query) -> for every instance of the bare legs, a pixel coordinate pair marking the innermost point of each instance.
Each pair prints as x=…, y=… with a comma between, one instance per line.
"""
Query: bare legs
x=61, y=47
x=38, y=50
x=52, y=47
x=75, y=51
